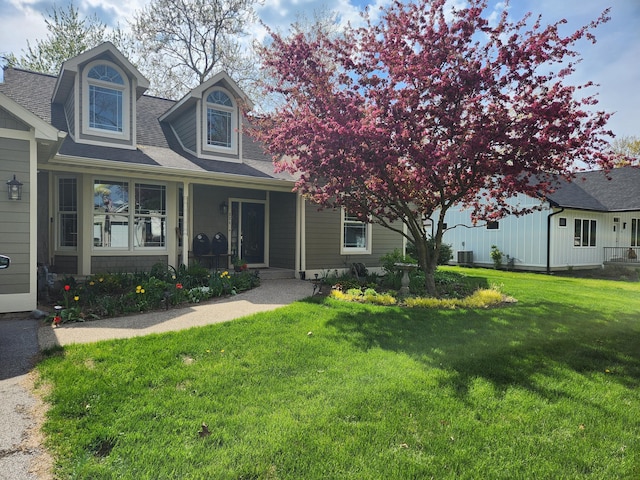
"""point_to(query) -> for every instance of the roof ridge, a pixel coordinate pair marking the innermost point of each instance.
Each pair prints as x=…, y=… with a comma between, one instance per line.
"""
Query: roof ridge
x=33, y=72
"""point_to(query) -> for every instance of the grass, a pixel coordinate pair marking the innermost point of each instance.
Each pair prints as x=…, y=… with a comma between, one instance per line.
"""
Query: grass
x=322, y=389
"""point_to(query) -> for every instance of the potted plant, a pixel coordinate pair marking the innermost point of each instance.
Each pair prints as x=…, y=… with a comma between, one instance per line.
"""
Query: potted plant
x=239, y=264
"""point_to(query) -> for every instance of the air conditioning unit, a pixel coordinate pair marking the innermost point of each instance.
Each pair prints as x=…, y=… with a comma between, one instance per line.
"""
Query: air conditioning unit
x=465, y=258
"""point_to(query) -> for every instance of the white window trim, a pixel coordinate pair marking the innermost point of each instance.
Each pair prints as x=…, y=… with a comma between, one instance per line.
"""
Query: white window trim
x=131, y=215
x=582, y=220
x=126, y=102
x=58, y=213
x=354, y=250
x=233, y=150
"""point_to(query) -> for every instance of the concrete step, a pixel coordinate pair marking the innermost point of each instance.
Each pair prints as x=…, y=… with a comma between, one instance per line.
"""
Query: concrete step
x=276, y=273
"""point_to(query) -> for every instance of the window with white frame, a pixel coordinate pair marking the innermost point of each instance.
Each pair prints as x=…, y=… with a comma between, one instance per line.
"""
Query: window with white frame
x=125, y=216
x=355, y=235
x=635, y=232
x=111, y=214
x=584, y=233
x=221, y=122
x=150, y=218
x=67, y=212
x=180, y=215
x=106, y=104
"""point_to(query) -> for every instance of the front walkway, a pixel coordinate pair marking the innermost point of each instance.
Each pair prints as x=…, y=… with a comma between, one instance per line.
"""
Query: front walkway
x=270, y=295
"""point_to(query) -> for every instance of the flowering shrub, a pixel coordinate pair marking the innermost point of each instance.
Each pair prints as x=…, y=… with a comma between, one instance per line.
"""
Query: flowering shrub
x=108, y=295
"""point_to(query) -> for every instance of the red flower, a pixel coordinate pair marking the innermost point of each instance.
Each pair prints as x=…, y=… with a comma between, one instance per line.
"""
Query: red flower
x=57, y=319
x=179, y=286
x=67, y=288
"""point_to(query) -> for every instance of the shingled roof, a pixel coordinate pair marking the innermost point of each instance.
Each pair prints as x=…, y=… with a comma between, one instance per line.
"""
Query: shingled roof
x=616, y=191
x=157, y=144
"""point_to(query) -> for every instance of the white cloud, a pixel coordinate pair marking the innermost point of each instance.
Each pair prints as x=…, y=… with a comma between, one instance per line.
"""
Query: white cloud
x=612, y=62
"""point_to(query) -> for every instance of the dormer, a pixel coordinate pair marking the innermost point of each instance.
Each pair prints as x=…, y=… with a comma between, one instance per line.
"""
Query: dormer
x=98, y=90
x=208, y=120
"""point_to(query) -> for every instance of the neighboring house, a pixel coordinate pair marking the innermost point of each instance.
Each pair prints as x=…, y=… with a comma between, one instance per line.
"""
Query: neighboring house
x=114, y=180
x=587, y=223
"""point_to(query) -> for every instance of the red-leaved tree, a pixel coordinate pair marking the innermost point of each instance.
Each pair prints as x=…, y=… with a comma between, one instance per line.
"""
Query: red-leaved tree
x=429, y=109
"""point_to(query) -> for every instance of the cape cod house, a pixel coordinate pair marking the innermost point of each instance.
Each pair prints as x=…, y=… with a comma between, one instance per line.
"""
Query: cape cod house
x=588, y=223
x=115, y=180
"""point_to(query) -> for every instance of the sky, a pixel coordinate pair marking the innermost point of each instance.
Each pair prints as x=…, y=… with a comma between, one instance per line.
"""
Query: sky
x=613, y=62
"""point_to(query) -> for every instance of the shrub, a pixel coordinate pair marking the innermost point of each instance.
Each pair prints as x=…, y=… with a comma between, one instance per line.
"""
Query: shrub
x=496, y=256
x=445, y=254
x=481, y=298
x=368, y=296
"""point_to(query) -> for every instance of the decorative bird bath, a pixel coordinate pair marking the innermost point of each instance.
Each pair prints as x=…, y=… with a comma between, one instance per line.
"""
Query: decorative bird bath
x=406, y=268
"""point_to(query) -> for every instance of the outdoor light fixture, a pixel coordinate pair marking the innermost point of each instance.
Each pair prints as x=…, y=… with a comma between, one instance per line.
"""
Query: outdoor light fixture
x=14, y=189
x=224, y=208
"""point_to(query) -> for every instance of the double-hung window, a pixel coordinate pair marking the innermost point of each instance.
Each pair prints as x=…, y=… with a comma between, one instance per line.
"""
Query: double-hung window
x=126, y=215
x=221, y=120
x=67, y=212
x=111, y=214
x=355, y=235
x=584, y=233
x=635, y=232
x=150, y=218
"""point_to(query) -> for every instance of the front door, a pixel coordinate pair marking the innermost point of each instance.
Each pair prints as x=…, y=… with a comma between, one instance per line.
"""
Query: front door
x=247, y=231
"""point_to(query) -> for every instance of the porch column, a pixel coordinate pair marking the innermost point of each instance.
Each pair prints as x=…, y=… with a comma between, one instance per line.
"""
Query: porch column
x=301, y=241
x=186, y=223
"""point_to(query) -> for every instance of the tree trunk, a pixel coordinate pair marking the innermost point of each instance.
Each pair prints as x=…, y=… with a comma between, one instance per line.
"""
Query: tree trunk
x=430, y=283
x=428, y=264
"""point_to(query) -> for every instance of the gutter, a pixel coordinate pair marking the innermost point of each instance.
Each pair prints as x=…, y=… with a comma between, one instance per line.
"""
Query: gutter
x=87, y=165
x=549, y=237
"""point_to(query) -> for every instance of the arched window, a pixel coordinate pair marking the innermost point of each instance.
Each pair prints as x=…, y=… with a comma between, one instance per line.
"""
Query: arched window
x=106, y=99
x=221, y=119
x=105, y=102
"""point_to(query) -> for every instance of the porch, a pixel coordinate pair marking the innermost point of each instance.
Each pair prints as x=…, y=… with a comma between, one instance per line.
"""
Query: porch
x=622, y=256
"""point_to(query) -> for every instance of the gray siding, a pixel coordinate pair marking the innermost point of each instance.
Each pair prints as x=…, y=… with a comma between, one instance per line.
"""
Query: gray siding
x=14, y=216
x=65, y=264
x=9, y=121
x=282, y=230
x=323, y=241
x=128, y=264
x=185, y=128
x=206, y=207
x=70, y=112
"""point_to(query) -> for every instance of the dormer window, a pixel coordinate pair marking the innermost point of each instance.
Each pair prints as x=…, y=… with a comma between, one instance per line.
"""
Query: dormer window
x=106, y=101
x=221, y=122
x=105, y=98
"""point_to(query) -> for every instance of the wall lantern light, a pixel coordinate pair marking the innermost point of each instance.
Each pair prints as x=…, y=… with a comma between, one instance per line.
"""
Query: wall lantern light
x=14, y=189
x=224, y=208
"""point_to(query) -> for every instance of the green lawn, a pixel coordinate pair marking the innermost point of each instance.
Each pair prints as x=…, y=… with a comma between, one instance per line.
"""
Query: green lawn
x=546, y=388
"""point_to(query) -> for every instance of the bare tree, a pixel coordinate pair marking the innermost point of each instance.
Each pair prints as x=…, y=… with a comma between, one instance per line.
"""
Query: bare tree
x=69, y=35
x=182, y=43
x=627, y=147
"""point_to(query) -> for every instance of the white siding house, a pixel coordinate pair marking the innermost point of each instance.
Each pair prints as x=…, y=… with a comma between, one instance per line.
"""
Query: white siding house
x=587, y=223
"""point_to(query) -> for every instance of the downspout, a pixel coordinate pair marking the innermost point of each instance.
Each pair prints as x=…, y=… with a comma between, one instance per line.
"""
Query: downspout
x=549, y=238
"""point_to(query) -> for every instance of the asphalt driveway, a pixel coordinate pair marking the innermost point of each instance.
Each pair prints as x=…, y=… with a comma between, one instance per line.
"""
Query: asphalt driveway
x=19, y=349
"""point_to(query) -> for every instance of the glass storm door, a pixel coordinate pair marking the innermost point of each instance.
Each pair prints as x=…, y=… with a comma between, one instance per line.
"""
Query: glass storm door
x=247, y=231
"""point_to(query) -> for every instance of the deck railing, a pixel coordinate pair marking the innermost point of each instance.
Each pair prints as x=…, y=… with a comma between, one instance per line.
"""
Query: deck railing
x=622, y=254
